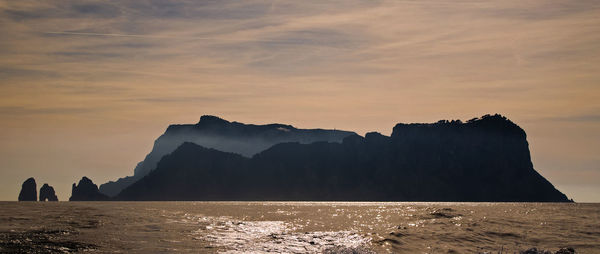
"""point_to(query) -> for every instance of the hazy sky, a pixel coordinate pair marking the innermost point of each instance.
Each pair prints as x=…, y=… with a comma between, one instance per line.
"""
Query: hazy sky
x=86, y=86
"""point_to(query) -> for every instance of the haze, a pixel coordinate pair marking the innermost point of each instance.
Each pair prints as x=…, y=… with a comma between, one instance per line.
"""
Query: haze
x=87, y=86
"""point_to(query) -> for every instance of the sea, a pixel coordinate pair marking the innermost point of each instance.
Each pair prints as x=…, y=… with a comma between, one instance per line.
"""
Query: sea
x=297, y=227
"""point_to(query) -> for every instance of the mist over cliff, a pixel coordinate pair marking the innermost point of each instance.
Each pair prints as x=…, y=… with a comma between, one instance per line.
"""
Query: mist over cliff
x=220, y=134
x=484, y=159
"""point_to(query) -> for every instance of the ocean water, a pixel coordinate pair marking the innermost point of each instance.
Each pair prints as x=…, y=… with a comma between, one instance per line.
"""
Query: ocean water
x=296, y=227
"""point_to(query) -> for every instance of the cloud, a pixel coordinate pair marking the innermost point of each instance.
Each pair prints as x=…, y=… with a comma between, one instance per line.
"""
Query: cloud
x=183, y=99
x=82, y=55
x=147, y=63
x=24, y=12
x=24, y=111
x=12, y=73
x=546, y=10
x=101, y=10
x=576, y=118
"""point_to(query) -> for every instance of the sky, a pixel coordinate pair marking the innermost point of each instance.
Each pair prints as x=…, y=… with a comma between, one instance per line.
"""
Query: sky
x=87, y=86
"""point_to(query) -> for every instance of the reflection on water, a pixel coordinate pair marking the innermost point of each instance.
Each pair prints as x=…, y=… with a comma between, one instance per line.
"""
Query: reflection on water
x=297, y=227
x=274, y=236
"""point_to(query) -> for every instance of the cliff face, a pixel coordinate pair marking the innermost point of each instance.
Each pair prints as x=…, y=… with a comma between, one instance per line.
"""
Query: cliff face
x=47, y=193
x=28, y=190
x=485, y=159
x=214, y=132
x=86, y=190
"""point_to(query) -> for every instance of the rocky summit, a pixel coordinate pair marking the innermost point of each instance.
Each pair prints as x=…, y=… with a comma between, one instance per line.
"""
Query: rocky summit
x=217, y=133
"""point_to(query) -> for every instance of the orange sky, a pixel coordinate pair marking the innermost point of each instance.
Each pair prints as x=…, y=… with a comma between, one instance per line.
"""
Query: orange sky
x=86, y=86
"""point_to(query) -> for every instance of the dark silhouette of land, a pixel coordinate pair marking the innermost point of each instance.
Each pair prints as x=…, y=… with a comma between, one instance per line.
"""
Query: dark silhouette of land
x=214, y=132
x=47, y=193
x=86, y=190
x=28, y=190
x=484, y=159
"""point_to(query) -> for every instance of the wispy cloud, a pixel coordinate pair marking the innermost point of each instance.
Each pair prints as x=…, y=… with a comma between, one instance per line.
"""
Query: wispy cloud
x=457, y=51
x=575, y=118
x=24, y=111
x=359, y=65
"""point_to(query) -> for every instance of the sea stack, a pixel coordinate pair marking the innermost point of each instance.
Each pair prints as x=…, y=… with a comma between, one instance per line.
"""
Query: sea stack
x=28, y=190
x=47, y=193
x=86, y=190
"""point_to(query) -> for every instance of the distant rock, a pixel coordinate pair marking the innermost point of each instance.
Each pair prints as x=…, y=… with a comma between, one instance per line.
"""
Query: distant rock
x=217, y=133
x=47, y=193
x=28, y=190
x=86, y=190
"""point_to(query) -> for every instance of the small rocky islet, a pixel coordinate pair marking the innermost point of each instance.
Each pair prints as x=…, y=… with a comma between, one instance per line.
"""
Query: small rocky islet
x=29, y=191
x=47, y=193
x=86, y=190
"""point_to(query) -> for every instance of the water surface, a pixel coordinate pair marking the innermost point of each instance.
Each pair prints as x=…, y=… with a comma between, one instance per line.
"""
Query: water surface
x=297, y=227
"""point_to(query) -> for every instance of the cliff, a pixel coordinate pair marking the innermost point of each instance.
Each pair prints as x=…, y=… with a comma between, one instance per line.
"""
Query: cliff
x=86, y=190
x=220, y=134
x=484, y=159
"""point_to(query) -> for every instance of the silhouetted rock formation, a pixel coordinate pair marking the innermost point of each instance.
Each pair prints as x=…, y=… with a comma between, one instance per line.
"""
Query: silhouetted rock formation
x=86, y=190
x=214, y=132
x=47, y=193
x=28, y=190
x=485, y=159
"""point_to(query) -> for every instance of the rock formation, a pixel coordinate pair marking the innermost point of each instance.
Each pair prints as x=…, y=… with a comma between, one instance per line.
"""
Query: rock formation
x=28, y=190
x=484, y=159
x=214, y=132
x=47, y=193
x=86, y=190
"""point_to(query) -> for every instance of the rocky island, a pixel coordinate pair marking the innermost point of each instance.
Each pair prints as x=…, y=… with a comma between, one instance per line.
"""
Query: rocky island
x=28, y=190
x=86, y=190
x=47, y=193
x=483, y=159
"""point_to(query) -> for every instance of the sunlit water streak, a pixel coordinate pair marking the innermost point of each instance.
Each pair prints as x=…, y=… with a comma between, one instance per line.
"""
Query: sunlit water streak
x=299, y=227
